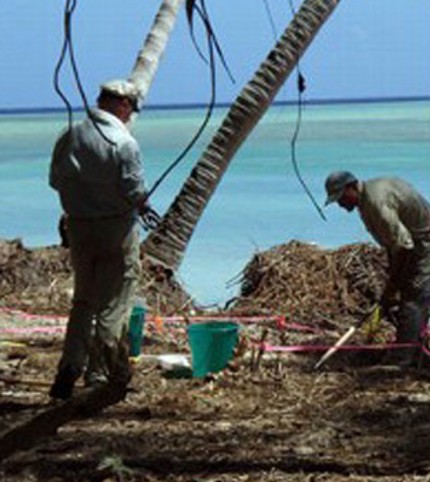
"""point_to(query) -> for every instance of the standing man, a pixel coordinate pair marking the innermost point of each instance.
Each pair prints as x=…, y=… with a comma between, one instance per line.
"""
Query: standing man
x=398, y=218
x=97, y=171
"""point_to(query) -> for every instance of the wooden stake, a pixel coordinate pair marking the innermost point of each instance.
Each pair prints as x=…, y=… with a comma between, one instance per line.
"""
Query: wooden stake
x=345, y=337
x=336, y=346
x=261, y=349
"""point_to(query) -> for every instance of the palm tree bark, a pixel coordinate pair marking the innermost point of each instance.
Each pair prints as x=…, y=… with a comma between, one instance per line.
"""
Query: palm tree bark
x=167, y=244
x=154, y=46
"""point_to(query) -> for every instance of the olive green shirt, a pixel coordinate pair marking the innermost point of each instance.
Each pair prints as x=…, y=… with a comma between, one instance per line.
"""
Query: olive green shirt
x=398, y=217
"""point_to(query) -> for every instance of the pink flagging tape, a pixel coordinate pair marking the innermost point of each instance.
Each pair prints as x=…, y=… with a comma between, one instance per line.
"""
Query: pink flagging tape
x=309, y=348
x=195, y=319
x=33, y=329
x=425, y=350
x=31, y=316
x=280, y=320
x=202, y=318
x=250, y=319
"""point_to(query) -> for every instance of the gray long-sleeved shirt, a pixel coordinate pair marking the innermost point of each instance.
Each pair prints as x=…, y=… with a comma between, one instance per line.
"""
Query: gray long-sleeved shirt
x=398, y=217
x=96, y=178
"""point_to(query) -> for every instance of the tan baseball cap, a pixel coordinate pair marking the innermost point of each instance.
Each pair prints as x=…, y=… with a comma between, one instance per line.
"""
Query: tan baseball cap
x=122, y=88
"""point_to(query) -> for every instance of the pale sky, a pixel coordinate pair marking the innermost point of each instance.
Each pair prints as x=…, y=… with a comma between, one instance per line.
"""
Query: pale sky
x=367, y=48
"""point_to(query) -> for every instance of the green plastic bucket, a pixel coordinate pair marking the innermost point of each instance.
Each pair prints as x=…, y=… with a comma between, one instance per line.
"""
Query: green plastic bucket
x=212, y=345
x=135, y=330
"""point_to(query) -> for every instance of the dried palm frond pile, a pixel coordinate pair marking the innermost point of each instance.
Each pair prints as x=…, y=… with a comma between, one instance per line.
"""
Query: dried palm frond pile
x=40, y=280
x=308, y=283
x=36, y=279
x=300, y=280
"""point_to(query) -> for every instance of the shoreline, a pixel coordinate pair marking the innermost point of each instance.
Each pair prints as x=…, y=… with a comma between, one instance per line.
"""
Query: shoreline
x=223, y=105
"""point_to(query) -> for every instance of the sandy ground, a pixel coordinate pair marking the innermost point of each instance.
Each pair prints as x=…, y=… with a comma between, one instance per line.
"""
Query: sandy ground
x=353, y=421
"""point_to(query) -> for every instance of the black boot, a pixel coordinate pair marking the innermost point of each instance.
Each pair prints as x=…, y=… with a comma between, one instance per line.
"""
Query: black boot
x=62, y=388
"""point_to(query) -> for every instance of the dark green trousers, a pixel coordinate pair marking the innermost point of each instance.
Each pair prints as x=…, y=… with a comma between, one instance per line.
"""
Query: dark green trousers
x=105, y=260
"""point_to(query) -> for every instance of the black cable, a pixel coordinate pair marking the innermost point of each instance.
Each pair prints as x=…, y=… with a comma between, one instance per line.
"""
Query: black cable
x=192, y=7
x=215, y=43
x=79, y=83
x=67, y=48
x=209, y=110
x=301, y=87
x=271, y=19
x=59, y=65
x=213, y=47
x=212, y=44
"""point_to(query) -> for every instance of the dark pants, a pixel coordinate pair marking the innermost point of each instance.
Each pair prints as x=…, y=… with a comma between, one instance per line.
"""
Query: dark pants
x=105, y=259
x=412, y=320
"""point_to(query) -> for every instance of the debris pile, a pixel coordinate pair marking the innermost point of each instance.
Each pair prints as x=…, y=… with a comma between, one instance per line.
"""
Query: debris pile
x=39, y=280
x=311, y=284
x=299, y=280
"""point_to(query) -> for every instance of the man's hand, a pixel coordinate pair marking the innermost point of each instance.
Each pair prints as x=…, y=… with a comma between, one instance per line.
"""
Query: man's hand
x=150, y=218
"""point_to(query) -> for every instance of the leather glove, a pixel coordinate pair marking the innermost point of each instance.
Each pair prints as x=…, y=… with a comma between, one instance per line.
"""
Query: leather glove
x=150, y=218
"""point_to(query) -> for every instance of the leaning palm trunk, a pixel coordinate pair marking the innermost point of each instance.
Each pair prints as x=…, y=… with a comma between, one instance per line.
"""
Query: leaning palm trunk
x=151, y=52
x=167, y=244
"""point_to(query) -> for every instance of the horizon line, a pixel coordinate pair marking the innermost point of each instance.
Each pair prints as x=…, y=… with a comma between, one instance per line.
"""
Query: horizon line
x=221, y=105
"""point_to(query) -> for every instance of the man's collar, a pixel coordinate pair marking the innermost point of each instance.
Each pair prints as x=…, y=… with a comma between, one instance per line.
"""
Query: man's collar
x=106, y=117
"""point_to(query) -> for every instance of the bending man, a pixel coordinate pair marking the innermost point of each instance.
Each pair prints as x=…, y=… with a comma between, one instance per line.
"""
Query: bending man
x=398, y=218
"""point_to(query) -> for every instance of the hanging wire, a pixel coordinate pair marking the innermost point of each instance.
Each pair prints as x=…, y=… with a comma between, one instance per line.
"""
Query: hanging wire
x=192, y=7
x=69, y=7
x=271, y=19
x=301, y=87
x=210, y=108
x=214, y=49
x=81, y=88
x=67, y=48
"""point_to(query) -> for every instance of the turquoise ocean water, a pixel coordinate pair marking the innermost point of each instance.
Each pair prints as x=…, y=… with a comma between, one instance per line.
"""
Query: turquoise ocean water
x=258, y=204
